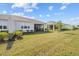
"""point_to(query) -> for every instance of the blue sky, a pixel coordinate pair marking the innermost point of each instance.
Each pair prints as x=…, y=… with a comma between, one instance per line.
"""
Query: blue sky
x=65, y=12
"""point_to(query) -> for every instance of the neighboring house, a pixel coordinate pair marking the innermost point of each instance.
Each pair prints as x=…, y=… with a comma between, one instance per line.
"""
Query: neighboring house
x=51, y=25
x=12, y=23
x=77, y=26
x=67, y=26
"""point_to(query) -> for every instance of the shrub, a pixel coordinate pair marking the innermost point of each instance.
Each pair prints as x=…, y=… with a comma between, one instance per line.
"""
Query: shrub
x=18, y=33
x=3, y=35
x=50, y=30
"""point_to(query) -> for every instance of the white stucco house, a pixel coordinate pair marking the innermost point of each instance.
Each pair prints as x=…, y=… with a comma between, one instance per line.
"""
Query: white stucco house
x=11, y=23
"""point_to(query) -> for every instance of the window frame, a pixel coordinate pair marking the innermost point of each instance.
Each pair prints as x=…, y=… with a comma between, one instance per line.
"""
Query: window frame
x=28, y=27
x=22, y=27
x=4, y=27
x=1, y=26
x=25, y=27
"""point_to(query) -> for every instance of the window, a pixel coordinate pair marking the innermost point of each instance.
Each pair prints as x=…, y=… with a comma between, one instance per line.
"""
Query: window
x=25, y=26
x=28, y=27
x=21, y=27
x=0, y=27
x=4, y=27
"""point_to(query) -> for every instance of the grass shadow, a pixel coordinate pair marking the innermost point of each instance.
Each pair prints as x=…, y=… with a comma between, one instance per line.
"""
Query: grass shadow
x=65, y=30
x=10, y=42
x=9, y=45
x=3, y=42
x=39, y=32
x=70, y=33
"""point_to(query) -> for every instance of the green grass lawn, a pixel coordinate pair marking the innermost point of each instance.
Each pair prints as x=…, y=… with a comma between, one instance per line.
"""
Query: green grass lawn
x=64, y=43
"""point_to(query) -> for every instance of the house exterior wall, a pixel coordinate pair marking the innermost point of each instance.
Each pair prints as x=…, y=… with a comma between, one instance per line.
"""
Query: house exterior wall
x=22, y=25
x=12, y=26
x=3, y=23
x=14, y=23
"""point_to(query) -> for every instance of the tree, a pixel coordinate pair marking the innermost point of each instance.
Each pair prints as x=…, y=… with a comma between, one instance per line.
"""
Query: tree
x=77, y=25
x=59, y=25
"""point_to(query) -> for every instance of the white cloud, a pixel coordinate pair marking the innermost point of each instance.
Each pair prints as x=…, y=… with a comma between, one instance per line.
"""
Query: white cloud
x=75, y=19
x=40, y=15
x=19, y=5
x=22, y=14
x=31, y=17
x=50, y=8
x=48, y=15
x=72, y=21
x=27, y=7
x=34, y=5
x=4, y=12
x=64, y=6
x=29, y=10
x=18, y=14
